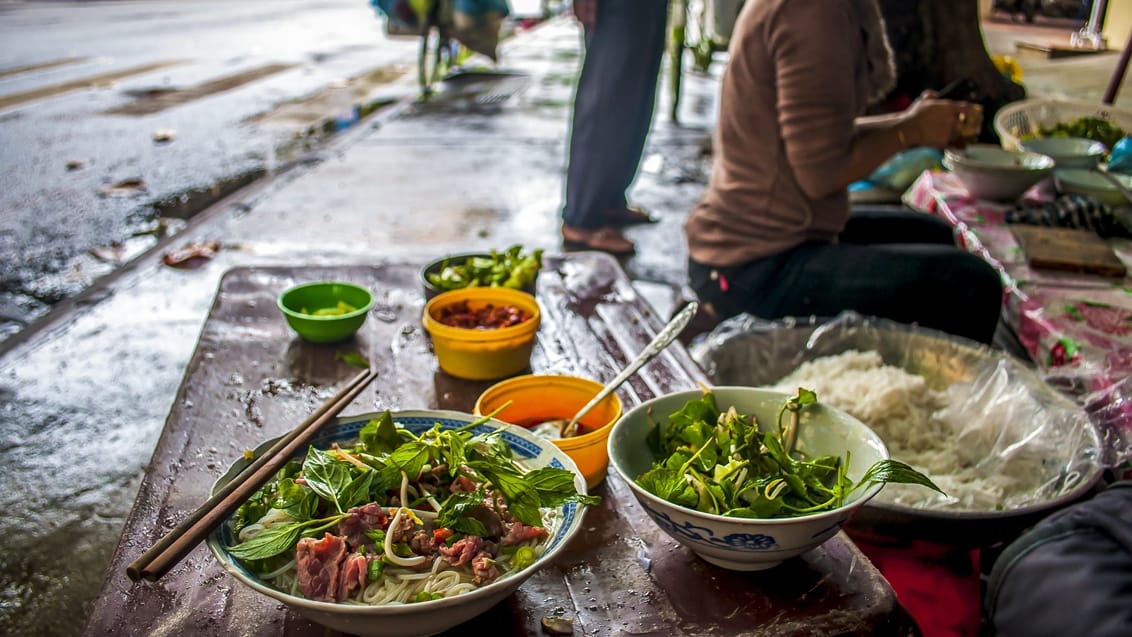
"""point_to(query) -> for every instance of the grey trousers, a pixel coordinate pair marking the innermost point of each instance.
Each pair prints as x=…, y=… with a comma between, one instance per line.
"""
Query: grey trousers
x=613, y=107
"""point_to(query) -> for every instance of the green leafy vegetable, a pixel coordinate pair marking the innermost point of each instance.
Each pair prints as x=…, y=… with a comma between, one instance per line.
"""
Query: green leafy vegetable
x=278, y=539
x=352, y=358
x=723, y=463
x=510, y=269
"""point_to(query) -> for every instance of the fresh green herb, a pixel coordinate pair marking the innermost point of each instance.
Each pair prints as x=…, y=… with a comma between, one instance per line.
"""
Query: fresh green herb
x=377, y=535
x=278, y=539
x=510, y=269
x=327, y=476
x=722, y=463
x=352, y=358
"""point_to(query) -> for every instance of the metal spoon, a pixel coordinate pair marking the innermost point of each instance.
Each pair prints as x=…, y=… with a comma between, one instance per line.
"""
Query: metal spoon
x=562, y=428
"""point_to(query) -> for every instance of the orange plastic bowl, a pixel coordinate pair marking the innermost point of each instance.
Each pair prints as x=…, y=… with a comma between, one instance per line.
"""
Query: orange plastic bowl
x=536, y=398
x=483, y=354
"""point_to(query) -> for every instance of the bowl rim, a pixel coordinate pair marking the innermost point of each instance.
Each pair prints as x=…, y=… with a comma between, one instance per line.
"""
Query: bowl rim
x=953, y=160
x=1093, y=147
x=490, y=294
x=227, y=562
x=558, y=379
x=1072, y=175
x=865, y=496
x=329, y=318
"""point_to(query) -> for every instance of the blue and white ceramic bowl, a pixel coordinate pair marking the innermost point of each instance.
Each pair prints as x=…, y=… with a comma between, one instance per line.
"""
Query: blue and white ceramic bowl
x=420, y=618
x=737, y=543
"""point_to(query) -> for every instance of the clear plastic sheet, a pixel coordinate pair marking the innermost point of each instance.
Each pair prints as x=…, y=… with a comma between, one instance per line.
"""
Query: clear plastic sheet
x=1032, y=444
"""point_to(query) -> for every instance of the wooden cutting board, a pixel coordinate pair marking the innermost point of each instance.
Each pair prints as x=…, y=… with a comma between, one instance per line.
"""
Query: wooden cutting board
x=1068, y=249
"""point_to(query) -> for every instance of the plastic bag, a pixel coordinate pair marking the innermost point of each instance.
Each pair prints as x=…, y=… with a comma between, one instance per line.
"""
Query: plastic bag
x=902, y=169
x=1120, y=159
x=402, y=17
x=1021, y=442
x=476, y=24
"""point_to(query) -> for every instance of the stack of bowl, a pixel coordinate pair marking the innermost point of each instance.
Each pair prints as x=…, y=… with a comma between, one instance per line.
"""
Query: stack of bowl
x=994, y=174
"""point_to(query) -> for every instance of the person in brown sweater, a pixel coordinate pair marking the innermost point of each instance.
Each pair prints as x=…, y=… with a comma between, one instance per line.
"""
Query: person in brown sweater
x=773, y=234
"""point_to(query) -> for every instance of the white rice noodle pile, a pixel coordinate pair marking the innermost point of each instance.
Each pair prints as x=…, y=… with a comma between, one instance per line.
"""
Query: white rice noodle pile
x=966, y=443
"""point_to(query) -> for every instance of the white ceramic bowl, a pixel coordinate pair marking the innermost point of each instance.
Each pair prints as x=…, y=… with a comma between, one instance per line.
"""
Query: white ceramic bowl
x=1086, y=182
x=1067, y=152
x=737, y=543
x=420, y=618
x=991, y=173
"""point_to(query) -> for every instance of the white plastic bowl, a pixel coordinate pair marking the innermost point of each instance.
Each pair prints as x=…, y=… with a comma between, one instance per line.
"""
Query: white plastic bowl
x=420, y=618
x=738, y=543
x=1090, y=183
x=991, y=173
x=1067, y=152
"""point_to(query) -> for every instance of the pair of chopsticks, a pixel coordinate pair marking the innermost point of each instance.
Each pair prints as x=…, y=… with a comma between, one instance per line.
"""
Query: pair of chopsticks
x=176, y=544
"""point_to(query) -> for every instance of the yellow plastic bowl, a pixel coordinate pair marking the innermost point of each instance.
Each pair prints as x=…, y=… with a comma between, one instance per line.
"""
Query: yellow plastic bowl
x=537, y=398
x=485, y=354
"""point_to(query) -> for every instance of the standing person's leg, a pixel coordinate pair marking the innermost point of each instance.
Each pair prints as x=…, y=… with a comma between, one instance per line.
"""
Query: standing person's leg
x=613, y=109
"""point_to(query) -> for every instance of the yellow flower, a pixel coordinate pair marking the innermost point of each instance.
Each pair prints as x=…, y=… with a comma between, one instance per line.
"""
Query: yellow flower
x=1008, y=66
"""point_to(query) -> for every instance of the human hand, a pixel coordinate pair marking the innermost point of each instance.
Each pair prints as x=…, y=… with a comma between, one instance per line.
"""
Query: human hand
x=939, y=123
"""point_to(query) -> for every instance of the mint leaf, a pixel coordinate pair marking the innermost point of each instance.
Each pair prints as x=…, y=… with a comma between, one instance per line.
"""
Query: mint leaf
x=380, y=435
x=669, y=485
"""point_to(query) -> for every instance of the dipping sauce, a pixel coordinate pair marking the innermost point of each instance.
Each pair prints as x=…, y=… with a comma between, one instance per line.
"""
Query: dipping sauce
x=550, y=430
x=488, y=317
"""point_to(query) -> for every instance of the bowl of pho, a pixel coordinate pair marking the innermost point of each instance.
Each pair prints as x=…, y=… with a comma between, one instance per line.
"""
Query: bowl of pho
x=404, y=523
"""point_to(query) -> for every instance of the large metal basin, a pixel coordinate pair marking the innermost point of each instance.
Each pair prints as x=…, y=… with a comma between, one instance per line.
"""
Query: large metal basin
x=749, y=351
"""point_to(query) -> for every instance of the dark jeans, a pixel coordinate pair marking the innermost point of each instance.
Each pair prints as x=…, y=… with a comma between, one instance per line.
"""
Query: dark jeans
x=901, y=265
x=613, y=108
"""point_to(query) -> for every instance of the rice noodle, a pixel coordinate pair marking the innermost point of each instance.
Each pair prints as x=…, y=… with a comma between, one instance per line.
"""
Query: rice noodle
x=948, y=435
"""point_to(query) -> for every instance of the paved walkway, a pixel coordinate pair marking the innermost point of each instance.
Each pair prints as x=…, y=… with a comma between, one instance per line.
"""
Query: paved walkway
x=85, y=395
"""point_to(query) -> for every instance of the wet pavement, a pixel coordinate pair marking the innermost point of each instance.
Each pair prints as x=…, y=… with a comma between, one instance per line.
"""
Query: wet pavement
x=84, y=395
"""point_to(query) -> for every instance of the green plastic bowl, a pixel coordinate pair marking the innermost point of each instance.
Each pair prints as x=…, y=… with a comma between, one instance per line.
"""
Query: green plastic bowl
x=300, y=303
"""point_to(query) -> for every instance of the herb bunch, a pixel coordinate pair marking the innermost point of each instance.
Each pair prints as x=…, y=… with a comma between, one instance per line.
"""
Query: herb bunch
x=334, y=480
x=723, y=463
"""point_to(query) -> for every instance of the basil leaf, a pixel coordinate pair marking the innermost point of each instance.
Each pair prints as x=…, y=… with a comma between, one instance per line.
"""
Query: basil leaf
x=555, y=487
x=351, y=358
x=326, y=475
x=454, y=514
x=269, y=543
x=380, y=435
x=897, y=472
x=669, y=485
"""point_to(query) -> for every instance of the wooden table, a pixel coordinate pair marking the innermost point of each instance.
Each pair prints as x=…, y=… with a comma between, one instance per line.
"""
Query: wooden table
x=250, y=379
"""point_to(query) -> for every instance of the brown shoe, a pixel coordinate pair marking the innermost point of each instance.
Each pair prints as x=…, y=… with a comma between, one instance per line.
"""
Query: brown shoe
x=630, y=216
x=606, y=239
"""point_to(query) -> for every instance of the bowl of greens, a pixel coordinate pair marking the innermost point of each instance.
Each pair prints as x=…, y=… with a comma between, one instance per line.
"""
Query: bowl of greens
x=746, y=477
x=511, y=268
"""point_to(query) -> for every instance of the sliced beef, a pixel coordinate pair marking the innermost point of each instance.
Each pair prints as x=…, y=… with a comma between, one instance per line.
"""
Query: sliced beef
x=319, y=564
x=483, y=570
x=364, y=518
x=423, y=543
x=353, y=575
x=517, y=533
x=404, y=530
x=463, y=550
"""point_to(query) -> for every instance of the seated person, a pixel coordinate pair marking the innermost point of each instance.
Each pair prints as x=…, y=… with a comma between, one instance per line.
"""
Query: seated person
x=774, y=235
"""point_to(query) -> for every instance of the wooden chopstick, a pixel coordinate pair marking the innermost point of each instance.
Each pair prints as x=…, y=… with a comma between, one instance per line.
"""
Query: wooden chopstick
x=172, y=548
